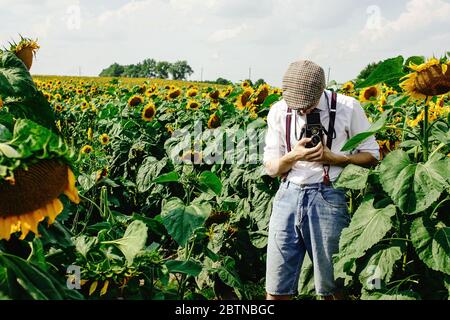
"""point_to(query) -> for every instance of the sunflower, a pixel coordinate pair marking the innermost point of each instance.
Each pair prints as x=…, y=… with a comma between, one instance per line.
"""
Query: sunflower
x=277, y=91
x=134, y=101
x=262, y=94
x=32, y=195
x=169, y=128
x=192, y=92
x=214, y=121
x=90, y=134
x=174, y=93
x=243, y=101
x=429, y=79
x=214, y=95
x=348, y=86
x=225, y=93
x=370, y=93
x=87, y=149
x=84, y=105
x=245, y=85
x=193, y=105
x=151, y=91
x=149, y=112
x=59, y=108
x=104, y=139
x=214, y=105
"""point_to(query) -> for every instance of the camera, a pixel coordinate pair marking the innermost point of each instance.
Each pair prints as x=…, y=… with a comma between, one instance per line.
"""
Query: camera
x=313, y=129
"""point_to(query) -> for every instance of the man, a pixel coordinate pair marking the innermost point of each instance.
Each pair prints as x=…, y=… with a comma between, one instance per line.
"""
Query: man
x=308, y=213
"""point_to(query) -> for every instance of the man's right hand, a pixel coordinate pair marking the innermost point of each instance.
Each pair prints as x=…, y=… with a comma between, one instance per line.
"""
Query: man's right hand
x=301, y=153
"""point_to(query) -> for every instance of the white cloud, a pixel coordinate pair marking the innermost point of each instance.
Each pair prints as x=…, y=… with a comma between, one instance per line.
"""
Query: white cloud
x=227, y=34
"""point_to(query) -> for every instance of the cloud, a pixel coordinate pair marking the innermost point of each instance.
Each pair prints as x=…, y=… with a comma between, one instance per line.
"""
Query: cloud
x=227, y=34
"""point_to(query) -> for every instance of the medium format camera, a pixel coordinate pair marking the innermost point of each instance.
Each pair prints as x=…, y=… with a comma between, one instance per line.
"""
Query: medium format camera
x=313, y=129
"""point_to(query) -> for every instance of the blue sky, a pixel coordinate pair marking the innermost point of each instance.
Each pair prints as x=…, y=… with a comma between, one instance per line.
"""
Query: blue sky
x=226, y=37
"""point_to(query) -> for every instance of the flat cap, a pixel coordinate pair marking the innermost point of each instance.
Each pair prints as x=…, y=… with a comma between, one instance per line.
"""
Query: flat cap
x=303, y=85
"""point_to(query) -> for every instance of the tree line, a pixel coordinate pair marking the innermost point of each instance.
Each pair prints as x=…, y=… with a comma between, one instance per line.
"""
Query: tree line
x=150, y=68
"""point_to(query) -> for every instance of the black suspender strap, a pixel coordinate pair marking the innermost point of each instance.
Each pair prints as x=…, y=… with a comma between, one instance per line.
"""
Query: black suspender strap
x=326, y=168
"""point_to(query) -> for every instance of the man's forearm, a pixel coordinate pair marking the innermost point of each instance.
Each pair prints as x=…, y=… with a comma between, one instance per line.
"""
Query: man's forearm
x=363, y=159
x=278, y=167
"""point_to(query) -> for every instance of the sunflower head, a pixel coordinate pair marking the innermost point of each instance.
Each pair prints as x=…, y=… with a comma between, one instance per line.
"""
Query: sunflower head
x=87, y=149
x=174, y=93
x=192, y=92
x=348, y=86
x=32, y=195
x=25, y=50
x=214, y=95
x=149, y=112
x=369, y=94
x=214, y=121
x=104, y=139
x=430, y=79
x=134, y=101
x=262, y=94
x=245, y=85
x=243, y=101
x=193, y=105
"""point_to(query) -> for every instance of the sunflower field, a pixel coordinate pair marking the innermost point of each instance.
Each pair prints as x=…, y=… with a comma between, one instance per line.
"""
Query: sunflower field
x=113, y=188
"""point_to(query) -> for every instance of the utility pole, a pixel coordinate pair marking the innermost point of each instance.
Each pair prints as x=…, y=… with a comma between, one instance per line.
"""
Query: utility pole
x=250, y=73
x=201, y=75
x=79, y=71
x=329, y=71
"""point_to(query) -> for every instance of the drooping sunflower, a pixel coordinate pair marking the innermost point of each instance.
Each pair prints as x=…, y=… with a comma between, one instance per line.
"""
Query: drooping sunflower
x=214, y=95
x=429, y=79
x=25, y=50
x=134, y=101
x=369, y=94
x=193, y=105
x=261, y=94
x=25, y=200
x=149, y=112
x=214, y=121
x=243, y=101
x=104, y=139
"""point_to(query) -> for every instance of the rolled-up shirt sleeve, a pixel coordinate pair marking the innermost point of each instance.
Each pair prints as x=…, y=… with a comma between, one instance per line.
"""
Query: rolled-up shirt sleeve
x=359, y=124
x=274, y=147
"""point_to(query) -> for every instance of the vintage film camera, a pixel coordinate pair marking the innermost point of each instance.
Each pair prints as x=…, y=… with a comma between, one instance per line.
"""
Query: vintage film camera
x=313, y=129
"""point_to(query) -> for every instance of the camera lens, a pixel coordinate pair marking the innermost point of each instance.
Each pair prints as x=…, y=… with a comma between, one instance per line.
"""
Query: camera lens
x=315, y=140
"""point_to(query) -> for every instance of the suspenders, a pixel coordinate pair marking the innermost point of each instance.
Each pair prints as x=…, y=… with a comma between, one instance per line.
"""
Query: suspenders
x=326, y=168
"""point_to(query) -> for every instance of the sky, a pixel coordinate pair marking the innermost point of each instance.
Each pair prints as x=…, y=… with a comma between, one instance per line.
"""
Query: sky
x=225, y=38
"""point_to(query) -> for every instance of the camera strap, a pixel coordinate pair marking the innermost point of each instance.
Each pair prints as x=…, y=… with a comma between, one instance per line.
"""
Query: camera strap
x=326, y=168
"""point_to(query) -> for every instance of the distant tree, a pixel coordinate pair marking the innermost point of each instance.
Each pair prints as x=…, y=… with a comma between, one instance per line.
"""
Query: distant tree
x=114, y=70
x=180, y=70
x=149, y=68
x=259, y=82
x=162, y=69
x=223, y=81
x=365, y=73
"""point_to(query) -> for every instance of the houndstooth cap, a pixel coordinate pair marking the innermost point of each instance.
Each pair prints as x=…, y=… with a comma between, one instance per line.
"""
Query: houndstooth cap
x=303, y=85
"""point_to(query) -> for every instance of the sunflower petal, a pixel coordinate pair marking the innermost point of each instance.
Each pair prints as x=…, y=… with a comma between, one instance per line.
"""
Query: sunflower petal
x=444, y=69
x=5, y=229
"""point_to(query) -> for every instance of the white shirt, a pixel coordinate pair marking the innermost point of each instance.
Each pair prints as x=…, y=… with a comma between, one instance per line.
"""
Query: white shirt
x=350, y=121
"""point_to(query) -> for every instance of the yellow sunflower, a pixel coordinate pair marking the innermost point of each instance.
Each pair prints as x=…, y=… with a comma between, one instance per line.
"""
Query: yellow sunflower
x=348, y=86
x=90, y=134
x=243, y=101
x=192, y=92
x=429, y=79
x=225, y=93
x=32, y=195
x=149, y=112
x=174, y=93
x=262, y=94
x=245, y=85
x=84, y=105
x=214, y=121
x=214, y=95
x=104, y=139
x=193, y=105
x=134, y=101
x=59, y=108
x=369, y=94
x=87, y=149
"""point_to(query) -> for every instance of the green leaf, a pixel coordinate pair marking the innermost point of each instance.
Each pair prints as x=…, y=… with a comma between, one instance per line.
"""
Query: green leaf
x=389, y=72
x=432, y=244
x=133, y=241
x=181, y=220
x=212, y=181
x=149, y=171
x=9, y=151
x=417, y=60
x=15, y=80
x=353, y=177
x=270, y=100
x=35, y=282
x=227, y=273
x=367, y=228
x=400, y=295
x=417, y=186
x=190, y=267
x=380, y=265
x=5, y=134
x=168, y=177
x=361, y=137
x=84, y=243
x=37, y=255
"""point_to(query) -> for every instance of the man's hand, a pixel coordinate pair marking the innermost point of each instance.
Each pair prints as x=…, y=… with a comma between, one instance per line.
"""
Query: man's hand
x=301, y=153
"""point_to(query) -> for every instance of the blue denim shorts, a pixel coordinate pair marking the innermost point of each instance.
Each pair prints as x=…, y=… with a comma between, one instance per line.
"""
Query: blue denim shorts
x=305, y=219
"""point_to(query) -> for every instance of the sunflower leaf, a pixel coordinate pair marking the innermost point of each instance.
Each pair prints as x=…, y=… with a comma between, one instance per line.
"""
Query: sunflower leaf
x=389, y=71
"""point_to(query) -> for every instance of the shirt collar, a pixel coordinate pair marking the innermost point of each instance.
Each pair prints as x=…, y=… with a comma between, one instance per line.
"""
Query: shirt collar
x=323, y=105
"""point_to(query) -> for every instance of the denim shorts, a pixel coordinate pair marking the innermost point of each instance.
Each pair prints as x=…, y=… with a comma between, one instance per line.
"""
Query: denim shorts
x=305, y=219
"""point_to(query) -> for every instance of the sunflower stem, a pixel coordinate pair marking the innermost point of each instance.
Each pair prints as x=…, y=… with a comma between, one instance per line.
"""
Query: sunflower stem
x=425, y=133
